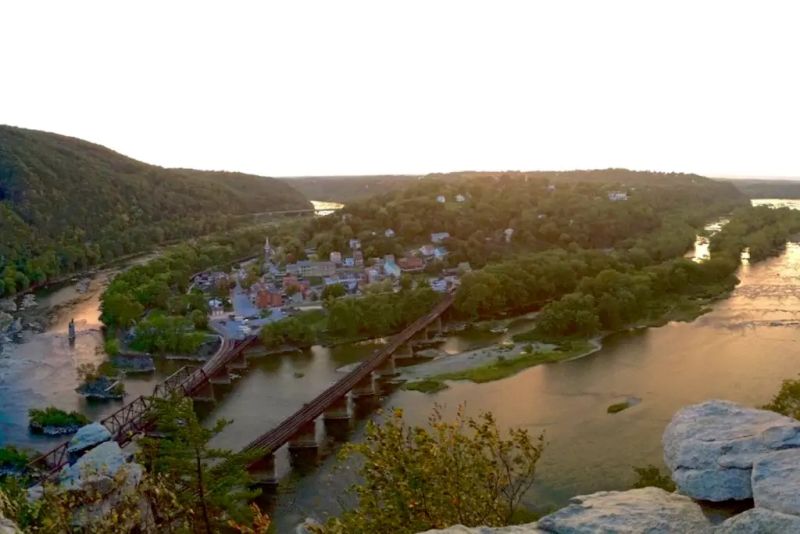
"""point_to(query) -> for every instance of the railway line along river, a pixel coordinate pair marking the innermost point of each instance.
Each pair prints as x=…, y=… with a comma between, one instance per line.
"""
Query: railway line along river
x=741, y=350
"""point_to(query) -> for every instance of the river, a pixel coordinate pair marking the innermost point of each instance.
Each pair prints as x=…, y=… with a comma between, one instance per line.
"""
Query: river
x=741, y=351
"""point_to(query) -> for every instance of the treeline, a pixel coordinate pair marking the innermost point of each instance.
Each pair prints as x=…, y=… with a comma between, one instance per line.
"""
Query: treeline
x=625, y=294
x=372, y=315
x=544, y=210
x=67, y=205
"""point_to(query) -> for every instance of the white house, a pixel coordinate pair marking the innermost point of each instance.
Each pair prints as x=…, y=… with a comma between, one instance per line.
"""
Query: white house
x=439, y=237
x=355, y=244
x=508, y=232
x=616, y=196
x=427, y=250
x=460, y=198
x=440, y=199
x=389, y=233
x=336, y=257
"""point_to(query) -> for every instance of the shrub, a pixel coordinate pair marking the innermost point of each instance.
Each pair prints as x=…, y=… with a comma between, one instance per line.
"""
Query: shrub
x=52, y=416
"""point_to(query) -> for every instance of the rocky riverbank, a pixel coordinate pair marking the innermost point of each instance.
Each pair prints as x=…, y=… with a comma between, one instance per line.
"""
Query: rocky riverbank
x=717, y=452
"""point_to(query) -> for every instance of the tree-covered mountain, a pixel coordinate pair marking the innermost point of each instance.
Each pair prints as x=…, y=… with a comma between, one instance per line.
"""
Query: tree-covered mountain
x=67, y=204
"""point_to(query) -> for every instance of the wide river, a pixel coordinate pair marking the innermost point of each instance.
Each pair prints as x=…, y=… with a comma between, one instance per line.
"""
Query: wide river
x=741, y=351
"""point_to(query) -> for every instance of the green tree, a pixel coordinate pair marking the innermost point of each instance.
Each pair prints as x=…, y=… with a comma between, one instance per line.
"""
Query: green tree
x=418, y=478
x=787, y=400
x=333, y=291
x=209, y=483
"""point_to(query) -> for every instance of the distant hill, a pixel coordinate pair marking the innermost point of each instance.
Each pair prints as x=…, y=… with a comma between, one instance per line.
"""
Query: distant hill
x=766, y=188
x=347, y=188
x=66, y=204
x=350, y=188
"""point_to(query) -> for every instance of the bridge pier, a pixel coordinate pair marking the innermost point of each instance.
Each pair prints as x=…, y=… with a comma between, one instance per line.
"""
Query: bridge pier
x=305, y=438
x=404, y=352
x=263, y=471
x=220, y=377
x=387, y=368
x=204, y=393
x=364, y=389
x=337, y=419
x=238, y=362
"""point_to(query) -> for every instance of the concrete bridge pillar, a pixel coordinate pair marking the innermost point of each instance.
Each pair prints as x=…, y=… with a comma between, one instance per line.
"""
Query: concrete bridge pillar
x=387, y=368
x=437, y=325
x=338, y=410
x=403, y=352
x=204, y=393
x=305, y=438
x=363, y=389
x=337, y=419
x=238, y=362
x=220, y=377
x=263, y=471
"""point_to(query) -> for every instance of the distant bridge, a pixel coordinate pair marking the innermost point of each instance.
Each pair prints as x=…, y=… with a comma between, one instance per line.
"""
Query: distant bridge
x=299, y=429
x=135, y=417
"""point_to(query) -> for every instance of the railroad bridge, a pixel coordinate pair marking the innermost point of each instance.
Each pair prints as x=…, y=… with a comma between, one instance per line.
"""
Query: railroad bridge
x=298, y=430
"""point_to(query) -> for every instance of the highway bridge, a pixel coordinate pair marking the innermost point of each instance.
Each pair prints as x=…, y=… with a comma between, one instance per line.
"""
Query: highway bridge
x=135, y=417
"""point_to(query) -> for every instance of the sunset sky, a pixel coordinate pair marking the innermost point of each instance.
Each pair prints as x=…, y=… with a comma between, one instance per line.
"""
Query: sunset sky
x=306, y=88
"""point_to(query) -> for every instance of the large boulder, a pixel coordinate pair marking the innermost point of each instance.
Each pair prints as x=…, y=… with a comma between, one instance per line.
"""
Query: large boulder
x=98, y=468
x=87, y=437
x=776, y=481
x=105, y=475
x=710, y=447
x=650, y=510
x=516, y=529
x=7, y=526
x=759, y=521
x=645, y=510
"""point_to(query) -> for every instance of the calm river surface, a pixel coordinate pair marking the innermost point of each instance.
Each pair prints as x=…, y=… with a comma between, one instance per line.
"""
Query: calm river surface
x=741, y=351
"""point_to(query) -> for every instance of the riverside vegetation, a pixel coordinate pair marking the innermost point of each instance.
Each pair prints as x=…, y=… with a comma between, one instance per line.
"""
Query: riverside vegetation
x=583, y=294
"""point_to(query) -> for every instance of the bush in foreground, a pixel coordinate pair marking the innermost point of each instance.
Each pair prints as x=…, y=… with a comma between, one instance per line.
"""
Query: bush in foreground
x=459, y=472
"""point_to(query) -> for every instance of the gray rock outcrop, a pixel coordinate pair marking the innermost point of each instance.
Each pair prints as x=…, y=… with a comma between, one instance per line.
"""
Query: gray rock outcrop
x=711, y=447
x=634, y=511
x=776, y=481
x=759, y=521
x=88, y=436
x=7, y=526
x=645, y=510
x=515, y=529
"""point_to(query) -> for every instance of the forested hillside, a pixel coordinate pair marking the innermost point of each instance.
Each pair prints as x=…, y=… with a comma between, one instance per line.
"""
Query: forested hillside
x=542, y=210
x=762, y=188
x=66, y=204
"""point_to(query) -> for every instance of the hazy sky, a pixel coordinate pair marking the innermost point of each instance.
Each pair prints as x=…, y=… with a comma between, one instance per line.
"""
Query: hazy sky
x=339, y=87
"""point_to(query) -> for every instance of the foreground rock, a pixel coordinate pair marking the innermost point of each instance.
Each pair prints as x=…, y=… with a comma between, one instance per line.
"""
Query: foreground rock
x=638, y=510
x=759, y=521
x=651, y=510
x=776, y=481
x=8, y=527
x=87, y=437
x=711, y=447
